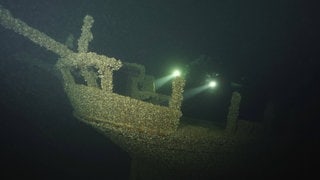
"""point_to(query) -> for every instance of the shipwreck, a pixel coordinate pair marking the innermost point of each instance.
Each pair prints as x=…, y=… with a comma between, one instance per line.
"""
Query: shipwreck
x=147, y=125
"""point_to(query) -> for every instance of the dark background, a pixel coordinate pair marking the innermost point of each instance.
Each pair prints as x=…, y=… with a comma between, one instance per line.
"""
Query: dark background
x=269, y=47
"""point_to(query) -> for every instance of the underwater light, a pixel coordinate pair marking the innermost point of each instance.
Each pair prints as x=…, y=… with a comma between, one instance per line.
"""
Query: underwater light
x=163, y=80
x=176, y=73
x=197, y=90
x=212, y=84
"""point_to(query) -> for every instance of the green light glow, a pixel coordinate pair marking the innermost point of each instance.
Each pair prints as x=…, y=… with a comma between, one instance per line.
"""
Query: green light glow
x=212, y=84
x=176, y=73
x=163, y=80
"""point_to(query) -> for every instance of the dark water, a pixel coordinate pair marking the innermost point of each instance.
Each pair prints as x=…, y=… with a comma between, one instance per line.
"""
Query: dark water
x=269, y=47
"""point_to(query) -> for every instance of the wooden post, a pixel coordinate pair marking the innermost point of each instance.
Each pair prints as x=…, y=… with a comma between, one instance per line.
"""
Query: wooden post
x=232, y=118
